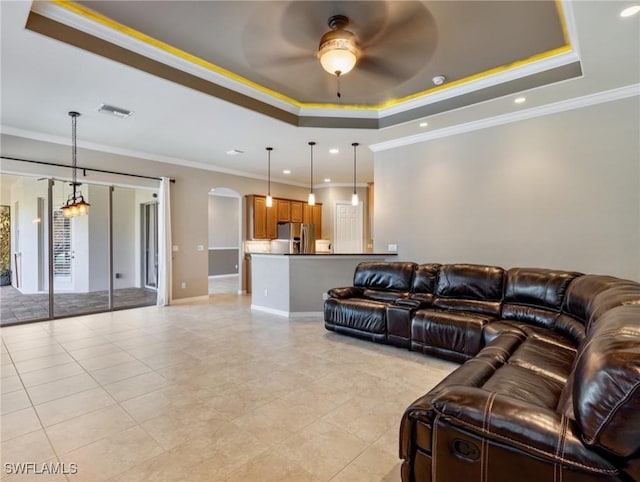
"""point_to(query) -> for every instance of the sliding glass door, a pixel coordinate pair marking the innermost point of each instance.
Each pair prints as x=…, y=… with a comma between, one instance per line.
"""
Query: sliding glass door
x=81, y=253
x=54, y=266
x=133, y=263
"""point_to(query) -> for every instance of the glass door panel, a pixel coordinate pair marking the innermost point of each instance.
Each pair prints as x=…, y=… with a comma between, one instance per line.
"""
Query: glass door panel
x=24, y=286
x=135, y=253
x=81, y=252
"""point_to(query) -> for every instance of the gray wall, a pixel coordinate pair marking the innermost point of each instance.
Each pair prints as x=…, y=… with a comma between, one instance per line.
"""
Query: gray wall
x=224, y=221
x=560, y=191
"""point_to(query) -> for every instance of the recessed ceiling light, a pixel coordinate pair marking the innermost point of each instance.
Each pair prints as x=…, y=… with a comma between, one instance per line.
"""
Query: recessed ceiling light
x=115, y=111
x=286, y=171
x=439, y=79
x=520, y=100
x=234, y=152
x=424, y=124
x=334, y=151
x=630, y=11
x=327, y=179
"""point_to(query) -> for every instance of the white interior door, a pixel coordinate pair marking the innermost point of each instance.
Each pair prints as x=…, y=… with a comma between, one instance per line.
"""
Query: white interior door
x=348, y=230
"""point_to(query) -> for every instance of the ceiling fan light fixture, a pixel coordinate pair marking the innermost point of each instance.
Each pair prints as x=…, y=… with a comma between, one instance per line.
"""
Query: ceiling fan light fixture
x=338, y=51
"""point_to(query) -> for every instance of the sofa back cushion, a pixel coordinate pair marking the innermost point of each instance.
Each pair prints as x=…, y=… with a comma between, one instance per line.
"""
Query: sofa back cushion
x=381, y=275
x=470, y=282
x=606, y=390
x=590, y=296
x=425, y=278
x=537, y=287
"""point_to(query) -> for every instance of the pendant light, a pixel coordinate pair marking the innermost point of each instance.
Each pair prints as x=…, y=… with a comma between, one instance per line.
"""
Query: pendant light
x=269, y=198
x=75, y=205
x=354, y=196
x=312, y=197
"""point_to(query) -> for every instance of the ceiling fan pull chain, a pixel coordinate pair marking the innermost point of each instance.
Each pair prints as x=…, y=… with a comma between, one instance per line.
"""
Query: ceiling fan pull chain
x=338, y=77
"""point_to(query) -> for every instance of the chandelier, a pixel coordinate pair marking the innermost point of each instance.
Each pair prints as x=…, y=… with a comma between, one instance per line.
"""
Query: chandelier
x=75, y=204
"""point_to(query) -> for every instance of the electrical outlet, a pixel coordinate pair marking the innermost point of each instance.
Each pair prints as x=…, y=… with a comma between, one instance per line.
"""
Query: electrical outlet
x=392, y=248
x=200, y=247
x=174, y=248
x=325, y=296
x=184, y=284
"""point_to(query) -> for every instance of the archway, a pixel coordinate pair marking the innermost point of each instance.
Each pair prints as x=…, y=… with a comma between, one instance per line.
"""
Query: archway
x=225, y=241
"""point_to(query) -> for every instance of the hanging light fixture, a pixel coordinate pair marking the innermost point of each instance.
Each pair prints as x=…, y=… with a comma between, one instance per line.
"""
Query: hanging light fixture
x=338, y=51
x=312, y=197
x=354, y=196
x=269, y=198
x=75, y=205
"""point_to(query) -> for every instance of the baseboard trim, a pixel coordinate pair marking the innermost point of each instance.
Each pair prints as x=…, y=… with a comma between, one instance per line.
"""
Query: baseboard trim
x=287, y=314
x=185, y=301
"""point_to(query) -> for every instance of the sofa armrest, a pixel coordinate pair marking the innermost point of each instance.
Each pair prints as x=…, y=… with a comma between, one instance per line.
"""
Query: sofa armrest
x=345, y=292
x=532, y=429
x=410, y=303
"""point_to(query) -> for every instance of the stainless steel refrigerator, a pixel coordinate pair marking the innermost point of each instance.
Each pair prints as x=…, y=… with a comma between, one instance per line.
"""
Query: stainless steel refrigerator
x=300, y=236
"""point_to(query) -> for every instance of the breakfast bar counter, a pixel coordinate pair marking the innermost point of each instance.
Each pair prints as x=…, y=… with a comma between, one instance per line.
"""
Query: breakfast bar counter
x=295, y=284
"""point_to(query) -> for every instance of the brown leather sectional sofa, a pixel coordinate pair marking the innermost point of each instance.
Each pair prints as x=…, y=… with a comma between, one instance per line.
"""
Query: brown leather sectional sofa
x=550, y=385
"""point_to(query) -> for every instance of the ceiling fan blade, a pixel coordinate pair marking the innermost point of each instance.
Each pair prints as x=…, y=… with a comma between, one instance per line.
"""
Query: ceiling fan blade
x=384, y=67
x=411, y=31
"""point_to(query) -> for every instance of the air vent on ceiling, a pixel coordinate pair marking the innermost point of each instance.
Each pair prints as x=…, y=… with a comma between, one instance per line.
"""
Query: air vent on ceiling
x=116, y=111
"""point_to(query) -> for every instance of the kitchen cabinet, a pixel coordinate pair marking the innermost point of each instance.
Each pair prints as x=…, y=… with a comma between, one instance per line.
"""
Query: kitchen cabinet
x=262, y=222
x=313, y=215
x=284, y=210
x=272, y=223
x=317, y=219
x=296, y=211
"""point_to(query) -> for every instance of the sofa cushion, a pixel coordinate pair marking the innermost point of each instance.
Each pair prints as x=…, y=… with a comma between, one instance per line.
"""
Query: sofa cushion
x=470, y=282
x=425, y=278
x=606, y=395
x=590, y=296
x=441, y=332
x=490, y=308
x=356, y=314
x=543, y=288
x=379, y=275
x=383, y=295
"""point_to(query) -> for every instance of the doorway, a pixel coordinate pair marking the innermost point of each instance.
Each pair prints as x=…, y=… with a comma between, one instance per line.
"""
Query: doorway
x=224, y=239
x=348, y=228
x=149, y=218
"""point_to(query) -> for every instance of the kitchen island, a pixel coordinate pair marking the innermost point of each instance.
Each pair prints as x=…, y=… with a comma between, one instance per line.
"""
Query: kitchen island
x=295, y=285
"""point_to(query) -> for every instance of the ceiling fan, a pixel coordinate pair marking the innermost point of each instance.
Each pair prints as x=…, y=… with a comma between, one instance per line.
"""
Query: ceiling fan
x=385, y=42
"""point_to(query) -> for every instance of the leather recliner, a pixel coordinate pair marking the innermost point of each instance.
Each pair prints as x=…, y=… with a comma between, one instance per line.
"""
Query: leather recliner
x=550, y=389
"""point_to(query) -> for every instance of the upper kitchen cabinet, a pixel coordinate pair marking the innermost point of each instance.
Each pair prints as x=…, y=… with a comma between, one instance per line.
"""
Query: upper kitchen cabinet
x=284, y=210
x=296, y=211
x=261, y=221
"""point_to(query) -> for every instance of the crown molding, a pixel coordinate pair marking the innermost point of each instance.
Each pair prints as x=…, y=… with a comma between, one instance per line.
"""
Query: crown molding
x=53, y=139
x=548, y=109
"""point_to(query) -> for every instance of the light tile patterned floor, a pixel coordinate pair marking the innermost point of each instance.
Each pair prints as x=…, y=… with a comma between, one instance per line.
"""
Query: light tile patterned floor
x=207, y=391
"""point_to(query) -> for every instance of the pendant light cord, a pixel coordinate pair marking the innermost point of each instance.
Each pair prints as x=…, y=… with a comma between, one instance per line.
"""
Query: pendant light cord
x=355, y=146
x=269, y=149
x=311, y=143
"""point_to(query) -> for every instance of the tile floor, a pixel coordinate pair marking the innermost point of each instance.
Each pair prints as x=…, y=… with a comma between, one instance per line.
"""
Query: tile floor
x=206, y=391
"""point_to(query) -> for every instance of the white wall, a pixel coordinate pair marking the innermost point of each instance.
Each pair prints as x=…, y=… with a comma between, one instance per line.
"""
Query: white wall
x=560, y=191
